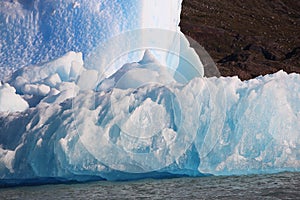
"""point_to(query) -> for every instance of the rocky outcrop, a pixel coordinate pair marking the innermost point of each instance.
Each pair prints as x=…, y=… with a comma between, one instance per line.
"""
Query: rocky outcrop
x=246, y=38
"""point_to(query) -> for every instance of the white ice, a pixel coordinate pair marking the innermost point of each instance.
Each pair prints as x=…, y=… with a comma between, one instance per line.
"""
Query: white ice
x=35, y=31
x=135, y=126
x=10, y=101
x=90, y=115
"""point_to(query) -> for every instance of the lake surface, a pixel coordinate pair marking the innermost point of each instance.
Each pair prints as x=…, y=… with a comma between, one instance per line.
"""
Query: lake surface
x=275, y=186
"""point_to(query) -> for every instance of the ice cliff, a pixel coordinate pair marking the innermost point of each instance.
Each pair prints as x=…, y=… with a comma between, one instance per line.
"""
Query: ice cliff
x=82, y=117
x=35, y=31
x=137, y=126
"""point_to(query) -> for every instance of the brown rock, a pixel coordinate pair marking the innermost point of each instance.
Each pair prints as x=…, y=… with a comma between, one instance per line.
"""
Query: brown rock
x=246, y=38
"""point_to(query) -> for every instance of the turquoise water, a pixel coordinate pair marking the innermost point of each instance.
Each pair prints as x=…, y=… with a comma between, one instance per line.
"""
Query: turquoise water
x=275, y=186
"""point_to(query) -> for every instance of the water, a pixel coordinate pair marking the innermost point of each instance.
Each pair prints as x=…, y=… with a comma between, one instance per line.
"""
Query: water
x=276, y=186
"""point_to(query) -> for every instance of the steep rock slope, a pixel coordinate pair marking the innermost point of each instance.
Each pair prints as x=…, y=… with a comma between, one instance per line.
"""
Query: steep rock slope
x=246, y=38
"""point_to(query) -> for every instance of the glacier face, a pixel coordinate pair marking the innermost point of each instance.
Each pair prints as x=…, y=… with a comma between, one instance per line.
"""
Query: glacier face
x=87, y=115
x=35, y=31
x=138, y=127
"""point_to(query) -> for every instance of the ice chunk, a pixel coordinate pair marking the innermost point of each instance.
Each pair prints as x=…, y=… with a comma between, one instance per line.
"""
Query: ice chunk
x=53, y=80
x=43, y=90
x=10, y=101
x=67, y=68
x=36, y=89
x=148, y=58
x=147, y=71
x=30, y=89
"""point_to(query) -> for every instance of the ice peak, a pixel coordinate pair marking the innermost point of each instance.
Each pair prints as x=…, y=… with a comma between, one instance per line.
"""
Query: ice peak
x=148, y=58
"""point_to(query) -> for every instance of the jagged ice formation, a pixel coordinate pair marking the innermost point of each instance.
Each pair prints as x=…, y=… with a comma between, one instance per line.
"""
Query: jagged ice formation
x=74, y=118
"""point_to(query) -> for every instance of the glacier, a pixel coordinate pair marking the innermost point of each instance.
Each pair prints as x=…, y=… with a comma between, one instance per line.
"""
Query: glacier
x=128, y=127
x=94, y=97
x=36, y=31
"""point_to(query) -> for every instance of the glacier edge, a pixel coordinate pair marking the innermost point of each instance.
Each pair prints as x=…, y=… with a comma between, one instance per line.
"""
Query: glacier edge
x=219, y=126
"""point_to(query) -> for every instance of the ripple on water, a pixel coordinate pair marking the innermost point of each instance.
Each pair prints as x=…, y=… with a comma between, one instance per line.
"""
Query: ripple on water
x=275, y=186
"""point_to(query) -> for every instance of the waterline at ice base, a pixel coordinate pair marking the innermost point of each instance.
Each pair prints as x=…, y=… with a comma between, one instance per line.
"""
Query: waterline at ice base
x=111, y=90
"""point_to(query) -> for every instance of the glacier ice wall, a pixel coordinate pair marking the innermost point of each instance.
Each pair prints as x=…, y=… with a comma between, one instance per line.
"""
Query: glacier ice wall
x=35, y=31
x=108, y=33
x=129, y=127
x=87, y=115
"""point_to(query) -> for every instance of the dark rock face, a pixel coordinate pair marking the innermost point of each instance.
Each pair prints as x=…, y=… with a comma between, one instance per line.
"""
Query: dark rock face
x=246, y=38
